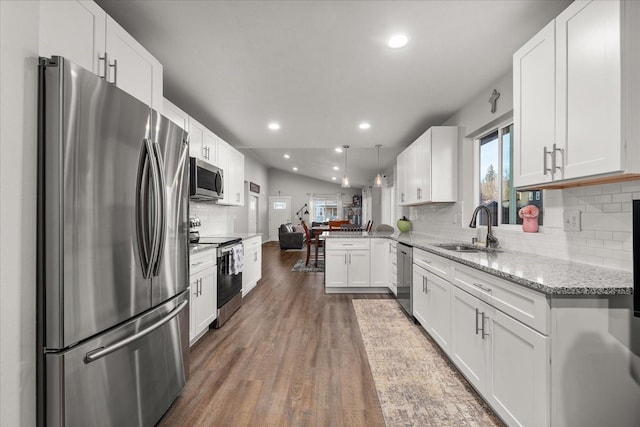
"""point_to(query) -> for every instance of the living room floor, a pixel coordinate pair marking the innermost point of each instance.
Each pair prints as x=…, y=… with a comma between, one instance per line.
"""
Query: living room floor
x=290, y=356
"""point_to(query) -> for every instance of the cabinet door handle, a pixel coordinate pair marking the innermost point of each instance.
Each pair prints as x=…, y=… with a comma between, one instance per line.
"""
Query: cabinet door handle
x=402, y=197
x=200, y=286
x=349, y=258
x=484, y=288
x=419, y=195
x=426, y=284
x=345, y=259
x=426, y=261
x=195, y=264
x=255, y=257
x=544, y=160
x=103, y=58
x=554, y=165
x=477, y=324
x=114, y=65
x=484, y=333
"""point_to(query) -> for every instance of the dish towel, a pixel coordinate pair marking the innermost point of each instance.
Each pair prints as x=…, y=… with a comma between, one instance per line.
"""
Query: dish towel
x=236, y=260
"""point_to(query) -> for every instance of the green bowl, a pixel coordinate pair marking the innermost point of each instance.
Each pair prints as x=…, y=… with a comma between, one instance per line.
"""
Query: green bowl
x=404, y=225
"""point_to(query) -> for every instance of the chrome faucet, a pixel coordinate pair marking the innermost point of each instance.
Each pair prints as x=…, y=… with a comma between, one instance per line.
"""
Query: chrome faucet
x=491, y=241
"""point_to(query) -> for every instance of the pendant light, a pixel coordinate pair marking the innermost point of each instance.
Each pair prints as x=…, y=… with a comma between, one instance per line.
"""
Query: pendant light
x=378, y=181
x=345, y=178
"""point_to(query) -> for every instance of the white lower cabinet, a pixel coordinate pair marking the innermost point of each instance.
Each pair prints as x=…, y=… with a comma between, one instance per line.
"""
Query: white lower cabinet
x=252, y=264
x=393, y=271
x=420, y=295
x=347, y=268
x=380, y=261
x=505, y=360
x=347, y=263
x=438, y=319
x=203, y=296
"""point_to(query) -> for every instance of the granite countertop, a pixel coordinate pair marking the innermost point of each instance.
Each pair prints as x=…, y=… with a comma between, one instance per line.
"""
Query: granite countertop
x=548, y=275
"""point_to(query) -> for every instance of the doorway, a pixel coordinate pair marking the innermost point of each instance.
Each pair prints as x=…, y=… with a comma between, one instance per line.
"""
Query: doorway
x=252, y=226
x=279, y=213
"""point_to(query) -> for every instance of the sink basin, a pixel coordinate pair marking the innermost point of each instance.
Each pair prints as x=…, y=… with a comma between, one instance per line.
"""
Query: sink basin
x=464, y=247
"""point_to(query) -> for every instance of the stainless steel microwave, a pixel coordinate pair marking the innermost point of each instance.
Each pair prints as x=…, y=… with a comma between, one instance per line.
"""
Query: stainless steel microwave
x=206, y=180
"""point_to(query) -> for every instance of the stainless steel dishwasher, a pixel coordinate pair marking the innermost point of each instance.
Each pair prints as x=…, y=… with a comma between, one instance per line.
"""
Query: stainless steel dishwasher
x=405, y=276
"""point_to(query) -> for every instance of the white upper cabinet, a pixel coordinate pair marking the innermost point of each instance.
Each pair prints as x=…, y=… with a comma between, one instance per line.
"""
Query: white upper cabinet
x=131, y=67
x=534, y=108
x=576, y=98
x=74, y=30
x=83, y=33
x=428, y=168
x=175, y=114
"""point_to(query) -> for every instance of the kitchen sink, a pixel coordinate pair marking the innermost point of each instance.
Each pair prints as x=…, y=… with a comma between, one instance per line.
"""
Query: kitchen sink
x=464, y=247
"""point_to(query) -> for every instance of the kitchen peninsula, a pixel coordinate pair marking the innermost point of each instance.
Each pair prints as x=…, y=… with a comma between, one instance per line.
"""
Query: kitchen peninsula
x=541, y=339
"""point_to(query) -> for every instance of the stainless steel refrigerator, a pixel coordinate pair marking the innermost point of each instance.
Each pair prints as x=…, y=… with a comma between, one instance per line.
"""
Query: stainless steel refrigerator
x=112, y=253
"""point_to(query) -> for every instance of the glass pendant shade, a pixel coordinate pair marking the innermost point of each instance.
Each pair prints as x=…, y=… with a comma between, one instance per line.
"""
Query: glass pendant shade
x=378, y=181
x=345, y=178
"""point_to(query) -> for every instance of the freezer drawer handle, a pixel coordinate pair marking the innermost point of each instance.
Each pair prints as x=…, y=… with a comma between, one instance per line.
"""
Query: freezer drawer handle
x=101, y=352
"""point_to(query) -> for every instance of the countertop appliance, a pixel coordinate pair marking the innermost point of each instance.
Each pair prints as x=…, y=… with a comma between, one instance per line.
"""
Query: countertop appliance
x=113, y=272
x=636, y=258
x=230, y=264
x=405, y=277
x=206, y=180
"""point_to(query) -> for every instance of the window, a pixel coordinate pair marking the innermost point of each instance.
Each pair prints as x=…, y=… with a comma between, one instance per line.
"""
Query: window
x=324, y=209
x=496, y=189
x=279, y=205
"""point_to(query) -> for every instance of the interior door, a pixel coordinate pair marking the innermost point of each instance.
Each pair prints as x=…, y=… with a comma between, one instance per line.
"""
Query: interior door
x=252, y=226
x=279, y=213
x=171, y=274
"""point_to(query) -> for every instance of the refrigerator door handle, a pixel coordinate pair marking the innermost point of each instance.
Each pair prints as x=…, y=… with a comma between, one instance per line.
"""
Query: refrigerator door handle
x=101, y=352
x=142, y=212
x=157, y=208
x=161, y=203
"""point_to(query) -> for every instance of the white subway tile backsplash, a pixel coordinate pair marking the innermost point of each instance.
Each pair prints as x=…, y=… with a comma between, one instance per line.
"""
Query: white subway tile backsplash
x=605, y=237
x=631, y=186
x=612, y=207
x=594, y=189
x=621, y=197
x=606, y=198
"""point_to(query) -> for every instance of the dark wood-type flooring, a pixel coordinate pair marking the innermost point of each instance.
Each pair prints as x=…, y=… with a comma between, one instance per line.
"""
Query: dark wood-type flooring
x=291, y=356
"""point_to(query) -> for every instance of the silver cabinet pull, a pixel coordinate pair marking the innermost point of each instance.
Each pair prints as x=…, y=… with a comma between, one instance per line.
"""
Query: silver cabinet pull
x=477, y=325
x=554, y=165
x=197, y=263
x=345, y=258
x=544, y=160
x=255, y=257
x=484, y=333
x=484, y=288
x=426, y=285
x=104, y=59
x=349, y=257
x=114, y=65
x=103, y=351
x=426, y=261
x=402, y=197
x=423, y=291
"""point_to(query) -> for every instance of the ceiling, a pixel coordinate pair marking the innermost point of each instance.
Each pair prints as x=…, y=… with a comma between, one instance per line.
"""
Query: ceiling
x=319, y=68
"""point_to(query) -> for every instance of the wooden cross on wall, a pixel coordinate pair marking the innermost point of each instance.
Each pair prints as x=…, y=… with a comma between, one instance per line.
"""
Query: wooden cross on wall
x=494, y=100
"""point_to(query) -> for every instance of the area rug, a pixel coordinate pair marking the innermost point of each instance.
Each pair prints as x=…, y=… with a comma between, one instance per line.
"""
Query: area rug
x=299, y=266
x=416, y=383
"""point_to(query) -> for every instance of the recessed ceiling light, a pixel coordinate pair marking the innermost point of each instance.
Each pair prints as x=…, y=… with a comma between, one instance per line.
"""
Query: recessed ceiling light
x=286, y=156
x=338, y=150
x=295, y=168
x=274, y=126
x=333, y=178
x=397, y=41
x=336, y=168
x=364, y=125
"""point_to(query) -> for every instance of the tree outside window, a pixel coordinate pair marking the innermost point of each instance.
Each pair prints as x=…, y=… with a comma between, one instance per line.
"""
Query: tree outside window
x=496, y=180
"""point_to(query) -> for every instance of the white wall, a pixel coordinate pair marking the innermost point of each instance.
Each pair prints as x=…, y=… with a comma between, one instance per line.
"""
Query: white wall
x=18, y=159
x=605, y=237
x=299, y=187
x=256, y=172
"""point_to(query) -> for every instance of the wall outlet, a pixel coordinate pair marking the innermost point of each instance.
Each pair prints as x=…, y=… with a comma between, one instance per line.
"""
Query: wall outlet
x=571, y=221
